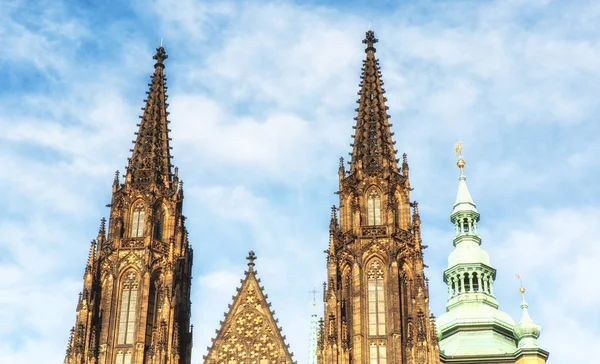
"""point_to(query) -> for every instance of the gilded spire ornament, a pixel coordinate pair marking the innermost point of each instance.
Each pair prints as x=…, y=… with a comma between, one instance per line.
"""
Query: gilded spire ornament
x=458, y=152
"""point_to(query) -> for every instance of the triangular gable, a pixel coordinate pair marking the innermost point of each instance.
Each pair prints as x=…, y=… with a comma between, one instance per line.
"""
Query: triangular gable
x=249, y=334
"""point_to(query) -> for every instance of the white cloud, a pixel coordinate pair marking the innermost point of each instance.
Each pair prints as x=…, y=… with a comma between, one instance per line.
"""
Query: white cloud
x=555, y=253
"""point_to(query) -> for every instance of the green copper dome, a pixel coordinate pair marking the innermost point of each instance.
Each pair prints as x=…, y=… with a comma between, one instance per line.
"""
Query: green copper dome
x=527, y=331
x=472, y=324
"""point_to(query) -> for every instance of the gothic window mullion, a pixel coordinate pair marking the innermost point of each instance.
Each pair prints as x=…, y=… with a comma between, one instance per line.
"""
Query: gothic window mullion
x=376, y=314
x=127, y=313
x=373, y=208
x=137, y=221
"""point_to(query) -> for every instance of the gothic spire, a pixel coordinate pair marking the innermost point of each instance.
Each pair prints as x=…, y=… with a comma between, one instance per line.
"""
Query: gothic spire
x=373, y=148
x=150, y=161
x=314, y=331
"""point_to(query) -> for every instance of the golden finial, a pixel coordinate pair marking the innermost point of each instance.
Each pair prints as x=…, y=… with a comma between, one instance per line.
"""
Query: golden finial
x=458, y=152
x=521, y=289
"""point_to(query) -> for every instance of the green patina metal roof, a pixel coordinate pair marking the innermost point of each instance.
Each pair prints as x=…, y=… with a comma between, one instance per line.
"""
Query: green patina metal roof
x=472, y=323
x=464, y=201
x=468, y=251
x=527, y=331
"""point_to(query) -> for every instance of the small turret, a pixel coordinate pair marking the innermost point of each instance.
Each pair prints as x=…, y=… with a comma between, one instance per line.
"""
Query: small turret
x=405, y=165
x=116, y=182
x=333, y=222
x=527, y=331
x=102, y=231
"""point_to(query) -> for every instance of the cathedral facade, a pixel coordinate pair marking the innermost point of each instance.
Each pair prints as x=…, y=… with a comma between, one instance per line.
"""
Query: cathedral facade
x=135, y=305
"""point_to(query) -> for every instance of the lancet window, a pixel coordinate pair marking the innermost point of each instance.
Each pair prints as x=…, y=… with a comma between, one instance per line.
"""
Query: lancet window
x=152, y=310
x=159, y=224
x=376, y=300
x=137, y=221
x=373, y=208
x=127, y=311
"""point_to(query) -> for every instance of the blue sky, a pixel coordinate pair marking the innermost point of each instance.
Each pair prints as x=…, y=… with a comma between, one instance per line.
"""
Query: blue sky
x=262, y=95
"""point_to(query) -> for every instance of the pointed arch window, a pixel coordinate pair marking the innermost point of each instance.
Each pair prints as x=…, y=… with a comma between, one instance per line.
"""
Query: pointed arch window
x=152, y=309
x=376, y=300
x=159, y=225
x=127, y=311
x=137, y=221
x=373, y=208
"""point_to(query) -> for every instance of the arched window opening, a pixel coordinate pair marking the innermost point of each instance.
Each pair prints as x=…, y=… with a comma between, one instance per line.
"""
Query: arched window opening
x=137, y=221
x=376, y=300
x=128, y=309
x=465, y=225
x=159, y=225
x=152, y=311
x=466, y=279
x=377, y=354
x=475, y=283
x=373, y=208
x=123, y=358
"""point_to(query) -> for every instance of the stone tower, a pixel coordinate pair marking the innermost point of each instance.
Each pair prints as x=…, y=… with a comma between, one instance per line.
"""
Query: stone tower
x=376, y=296
x=135, y=303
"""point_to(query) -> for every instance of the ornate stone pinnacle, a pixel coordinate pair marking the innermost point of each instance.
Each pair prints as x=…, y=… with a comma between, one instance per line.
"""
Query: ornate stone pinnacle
x=370, y=40
x=160, y=56
x=251, y=257
x=102, y=230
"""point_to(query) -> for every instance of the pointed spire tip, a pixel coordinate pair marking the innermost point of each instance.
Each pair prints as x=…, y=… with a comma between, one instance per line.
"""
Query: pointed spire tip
x=370, y=40
x=160, y=56
x=251, y=257
x=458, y=152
